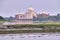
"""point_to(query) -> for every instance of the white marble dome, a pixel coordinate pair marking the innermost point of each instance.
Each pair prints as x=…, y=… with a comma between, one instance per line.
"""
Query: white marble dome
x=31, y=9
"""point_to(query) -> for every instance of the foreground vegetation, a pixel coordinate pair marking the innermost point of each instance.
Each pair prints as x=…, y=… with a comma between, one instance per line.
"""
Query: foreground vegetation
x=28, y=31
x=41, y=25
x=46, y=28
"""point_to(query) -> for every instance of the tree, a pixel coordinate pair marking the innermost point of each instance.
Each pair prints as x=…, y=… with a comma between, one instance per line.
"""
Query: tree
x=1, y=18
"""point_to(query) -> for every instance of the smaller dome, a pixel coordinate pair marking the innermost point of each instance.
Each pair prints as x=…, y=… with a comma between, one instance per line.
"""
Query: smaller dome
x=21, y=13
x=44, y=12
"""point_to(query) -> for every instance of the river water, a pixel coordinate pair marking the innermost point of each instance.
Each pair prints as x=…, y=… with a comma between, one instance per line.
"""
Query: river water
x=31, y=36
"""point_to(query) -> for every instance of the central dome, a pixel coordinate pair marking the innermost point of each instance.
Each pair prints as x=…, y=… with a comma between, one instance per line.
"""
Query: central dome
x=31, y=9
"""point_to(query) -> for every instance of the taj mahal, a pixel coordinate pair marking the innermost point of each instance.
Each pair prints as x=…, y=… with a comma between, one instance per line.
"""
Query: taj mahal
x=27, y=17
x=29, y=14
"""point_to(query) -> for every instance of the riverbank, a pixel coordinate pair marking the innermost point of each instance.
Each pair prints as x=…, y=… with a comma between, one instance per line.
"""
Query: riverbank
x=31, y=28
x=41, y=25
x=27, y=31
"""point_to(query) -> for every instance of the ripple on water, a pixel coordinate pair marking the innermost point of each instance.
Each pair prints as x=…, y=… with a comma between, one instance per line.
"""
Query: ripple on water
x=30, y=36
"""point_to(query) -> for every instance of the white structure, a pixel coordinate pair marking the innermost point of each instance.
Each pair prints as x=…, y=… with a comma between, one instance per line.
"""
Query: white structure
x=30, y=13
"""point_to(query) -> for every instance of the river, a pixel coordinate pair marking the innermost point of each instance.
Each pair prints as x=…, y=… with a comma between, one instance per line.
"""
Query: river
x=31, y=36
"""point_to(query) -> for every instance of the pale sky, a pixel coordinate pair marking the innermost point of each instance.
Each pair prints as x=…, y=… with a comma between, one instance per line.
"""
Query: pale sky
x=11, y=7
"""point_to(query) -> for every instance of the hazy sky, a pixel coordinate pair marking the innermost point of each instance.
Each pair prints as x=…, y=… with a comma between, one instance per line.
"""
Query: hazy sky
x=11, y=7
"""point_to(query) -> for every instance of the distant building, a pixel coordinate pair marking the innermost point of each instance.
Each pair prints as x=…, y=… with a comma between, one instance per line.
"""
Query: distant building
x=43, y=14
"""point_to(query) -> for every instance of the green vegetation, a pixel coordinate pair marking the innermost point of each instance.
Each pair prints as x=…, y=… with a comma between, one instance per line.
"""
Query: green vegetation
x=46, y=27
x=25, y=26
x=1, y=18
x=27, y=31
x=34, y=25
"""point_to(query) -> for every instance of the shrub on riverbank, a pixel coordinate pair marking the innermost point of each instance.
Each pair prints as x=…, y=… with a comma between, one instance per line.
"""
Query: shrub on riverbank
x=28, y=31
x=33, y=25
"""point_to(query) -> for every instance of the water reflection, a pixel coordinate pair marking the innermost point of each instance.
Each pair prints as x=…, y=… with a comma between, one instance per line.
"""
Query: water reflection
x=34, y=36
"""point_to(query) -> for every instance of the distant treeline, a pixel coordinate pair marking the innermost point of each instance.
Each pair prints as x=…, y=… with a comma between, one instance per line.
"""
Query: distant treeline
x=38, y=18
x=1, y=18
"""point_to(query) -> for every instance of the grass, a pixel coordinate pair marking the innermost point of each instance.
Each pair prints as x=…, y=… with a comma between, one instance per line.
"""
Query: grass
x=34, y=25
x=52, y=27
x=28, y=31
